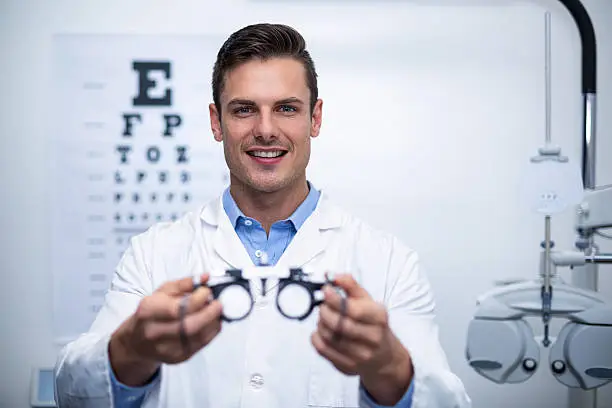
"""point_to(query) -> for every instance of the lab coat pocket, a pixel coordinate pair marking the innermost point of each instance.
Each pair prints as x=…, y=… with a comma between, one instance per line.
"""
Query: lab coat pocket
x=328, y=387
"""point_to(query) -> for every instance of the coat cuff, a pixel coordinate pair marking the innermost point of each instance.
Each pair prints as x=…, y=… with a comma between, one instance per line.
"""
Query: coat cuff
x=126, y=396
x=366, y=400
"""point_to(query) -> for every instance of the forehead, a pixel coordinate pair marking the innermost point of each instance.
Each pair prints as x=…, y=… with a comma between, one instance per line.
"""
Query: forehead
x=275, y=78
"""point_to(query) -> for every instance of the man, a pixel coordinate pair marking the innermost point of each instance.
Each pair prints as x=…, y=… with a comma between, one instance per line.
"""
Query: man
x=158, y=342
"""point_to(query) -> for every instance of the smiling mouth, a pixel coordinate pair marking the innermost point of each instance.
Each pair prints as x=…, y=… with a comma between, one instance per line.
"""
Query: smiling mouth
x=268, y=154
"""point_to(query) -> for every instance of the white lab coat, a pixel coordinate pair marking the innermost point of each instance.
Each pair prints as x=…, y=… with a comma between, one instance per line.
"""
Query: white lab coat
x=266, y=360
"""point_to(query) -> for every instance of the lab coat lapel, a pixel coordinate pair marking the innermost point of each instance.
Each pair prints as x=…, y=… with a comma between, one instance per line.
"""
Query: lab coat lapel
x=312, y=238
x=225, y=242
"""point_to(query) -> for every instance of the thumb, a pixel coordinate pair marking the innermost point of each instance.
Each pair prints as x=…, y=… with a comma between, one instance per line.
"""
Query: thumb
x=181, y=286
x=350, y=286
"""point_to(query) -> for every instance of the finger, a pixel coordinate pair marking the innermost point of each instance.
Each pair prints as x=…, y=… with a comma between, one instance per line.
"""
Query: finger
x=177, y=308
x=332, y=336
x=198, y=299
x=360, y=309
x=193, y=328
x=350, y=286
x=164, y=308
x=157, y=332
x=343, y=363
x=192, y=324
x=199, y=329
x=181, y=286
x=182, y=332
x=197, y=322
x=355, y=351
x=206, y=336
x=340, y=328
x=336, y=323
x=157, y=307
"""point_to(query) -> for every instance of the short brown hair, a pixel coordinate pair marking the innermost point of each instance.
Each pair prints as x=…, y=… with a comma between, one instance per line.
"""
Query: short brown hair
x=262, y=41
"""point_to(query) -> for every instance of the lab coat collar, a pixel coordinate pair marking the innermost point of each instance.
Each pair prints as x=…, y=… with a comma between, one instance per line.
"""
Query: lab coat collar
x=326, y=215
x=307, y=243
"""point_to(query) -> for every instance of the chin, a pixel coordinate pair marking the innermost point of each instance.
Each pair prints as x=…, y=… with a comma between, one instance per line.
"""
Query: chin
x=268, y=184
x=267, y=187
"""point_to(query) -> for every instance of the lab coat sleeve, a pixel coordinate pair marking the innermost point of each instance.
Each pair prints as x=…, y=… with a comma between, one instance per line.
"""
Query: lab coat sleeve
x=411, y=307
x=82, y=371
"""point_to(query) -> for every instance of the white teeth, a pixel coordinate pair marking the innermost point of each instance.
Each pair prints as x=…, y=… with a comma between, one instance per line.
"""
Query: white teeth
x=267, y=154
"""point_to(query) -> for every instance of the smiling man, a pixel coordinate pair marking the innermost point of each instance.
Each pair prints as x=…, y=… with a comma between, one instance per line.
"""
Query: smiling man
x=161, y=338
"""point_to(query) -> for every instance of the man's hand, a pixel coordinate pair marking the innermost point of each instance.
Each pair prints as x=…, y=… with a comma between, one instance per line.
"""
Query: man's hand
x=361, y=342
x=152, y=335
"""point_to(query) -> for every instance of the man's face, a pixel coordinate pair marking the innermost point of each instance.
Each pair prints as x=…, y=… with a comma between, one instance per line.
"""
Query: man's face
x=266, y=123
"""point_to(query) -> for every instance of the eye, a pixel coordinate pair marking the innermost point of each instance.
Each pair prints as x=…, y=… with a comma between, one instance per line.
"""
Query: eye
x=287, y=108
x=243, y=110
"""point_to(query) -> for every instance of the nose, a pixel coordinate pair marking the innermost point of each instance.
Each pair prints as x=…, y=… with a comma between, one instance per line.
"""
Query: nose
x=265, y=128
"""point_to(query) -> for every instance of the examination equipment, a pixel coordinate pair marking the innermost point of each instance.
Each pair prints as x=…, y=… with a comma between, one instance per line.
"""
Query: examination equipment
x=501, y=345
x=298, y=291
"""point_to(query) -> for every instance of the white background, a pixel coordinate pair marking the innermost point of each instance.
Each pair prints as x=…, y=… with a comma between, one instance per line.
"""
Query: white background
x=429, y=113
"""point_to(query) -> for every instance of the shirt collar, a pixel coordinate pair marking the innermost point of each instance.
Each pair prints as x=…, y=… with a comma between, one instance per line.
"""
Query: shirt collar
x=298, y=217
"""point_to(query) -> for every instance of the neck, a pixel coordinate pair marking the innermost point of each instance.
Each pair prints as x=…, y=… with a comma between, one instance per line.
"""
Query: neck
x=267, y=208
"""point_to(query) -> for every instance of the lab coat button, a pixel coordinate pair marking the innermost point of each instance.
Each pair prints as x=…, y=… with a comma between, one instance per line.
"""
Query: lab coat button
x=256, y=381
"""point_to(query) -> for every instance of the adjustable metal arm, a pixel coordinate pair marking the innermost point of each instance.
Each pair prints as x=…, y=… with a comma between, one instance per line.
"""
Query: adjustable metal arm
x=589, y=86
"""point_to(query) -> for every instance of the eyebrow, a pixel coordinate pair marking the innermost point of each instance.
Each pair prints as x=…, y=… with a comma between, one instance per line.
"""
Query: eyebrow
x=249, y=102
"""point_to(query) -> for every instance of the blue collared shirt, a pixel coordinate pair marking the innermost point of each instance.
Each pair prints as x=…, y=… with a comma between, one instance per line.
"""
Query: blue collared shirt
x=257, y=243
x=254, y=237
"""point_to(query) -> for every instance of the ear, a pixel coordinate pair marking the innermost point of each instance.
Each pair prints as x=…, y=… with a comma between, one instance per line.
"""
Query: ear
x=317, y=117
x=215, y=122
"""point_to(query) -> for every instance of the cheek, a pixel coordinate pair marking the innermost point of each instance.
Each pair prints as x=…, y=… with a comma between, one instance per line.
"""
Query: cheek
x=298, y=134
x=235, y=136
x=240, y=128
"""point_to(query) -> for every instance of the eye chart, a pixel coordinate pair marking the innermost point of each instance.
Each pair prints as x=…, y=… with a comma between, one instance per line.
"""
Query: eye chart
x=131, y=145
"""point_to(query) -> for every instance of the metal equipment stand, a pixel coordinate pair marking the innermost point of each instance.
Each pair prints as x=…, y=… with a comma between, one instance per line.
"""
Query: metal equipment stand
x=586, y=277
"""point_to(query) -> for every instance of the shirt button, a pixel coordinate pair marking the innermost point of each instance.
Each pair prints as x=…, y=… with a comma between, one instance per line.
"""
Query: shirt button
x=256, y=381
x=258, y=253
x=248, y=223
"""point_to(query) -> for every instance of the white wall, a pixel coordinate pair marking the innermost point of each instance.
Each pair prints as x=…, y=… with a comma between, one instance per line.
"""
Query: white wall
x=429, y=112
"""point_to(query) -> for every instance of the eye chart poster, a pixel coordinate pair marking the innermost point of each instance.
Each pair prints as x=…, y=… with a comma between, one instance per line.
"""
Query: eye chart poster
x=131, y=145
